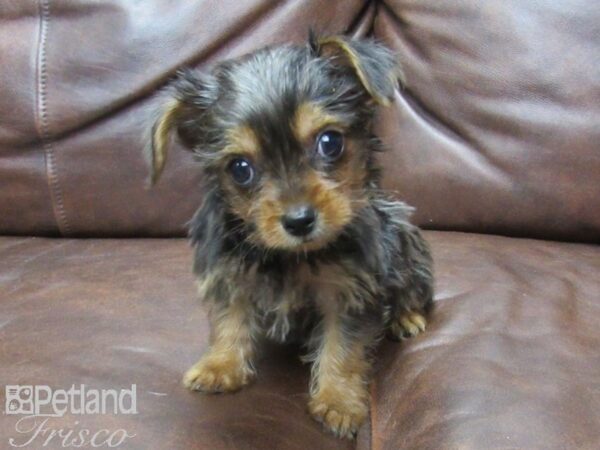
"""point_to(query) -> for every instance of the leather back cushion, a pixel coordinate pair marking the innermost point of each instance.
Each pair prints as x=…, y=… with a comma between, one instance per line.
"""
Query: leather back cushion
x=497, y=129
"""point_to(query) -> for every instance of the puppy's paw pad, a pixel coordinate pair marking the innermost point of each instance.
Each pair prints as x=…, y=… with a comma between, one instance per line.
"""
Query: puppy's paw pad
x=408, y=325
x=213, y=376
x=342, y=420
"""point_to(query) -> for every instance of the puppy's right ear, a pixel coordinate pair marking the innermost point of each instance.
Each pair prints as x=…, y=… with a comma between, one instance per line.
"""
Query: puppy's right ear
x=188, y=99
x=375, y=66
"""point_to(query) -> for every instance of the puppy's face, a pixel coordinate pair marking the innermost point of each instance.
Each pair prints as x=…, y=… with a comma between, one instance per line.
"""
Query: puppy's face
x=284, y=136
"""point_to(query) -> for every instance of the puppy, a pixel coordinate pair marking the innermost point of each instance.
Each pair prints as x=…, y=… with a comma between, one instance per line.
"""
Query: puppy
x=295, y=239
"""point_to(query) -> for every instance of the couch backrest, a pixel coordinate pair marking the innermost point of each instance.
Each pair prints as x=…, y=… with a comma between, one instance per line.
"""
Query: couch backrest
x=497, y=129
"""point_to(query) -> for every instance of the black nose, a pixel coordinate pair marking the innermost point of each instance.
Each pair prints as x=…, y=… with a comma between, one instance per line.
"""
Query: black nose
x=299, y=220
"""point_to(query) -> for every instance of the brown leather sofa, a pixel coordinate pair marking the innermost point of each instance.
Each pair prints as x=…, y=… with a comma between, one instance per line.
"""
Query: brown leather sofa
x=495, y=139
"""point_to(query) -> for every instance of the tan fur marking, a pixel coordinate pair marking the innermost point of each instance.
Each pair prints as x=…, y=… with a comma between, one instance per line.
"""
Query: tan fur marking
x=268, y=218
x=242, y=140
x=205, y=283
x=333, y=45
x=330, y=200
x=161, y=136
x=408, y=324
x=308, y=120
x=227, y=365
x=339, y=394
x=336, y=201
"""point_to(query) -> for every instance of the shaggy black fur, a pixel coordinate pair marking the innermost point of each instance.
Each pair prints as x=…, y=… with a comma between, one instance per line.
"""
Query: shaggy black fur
x=366, y=278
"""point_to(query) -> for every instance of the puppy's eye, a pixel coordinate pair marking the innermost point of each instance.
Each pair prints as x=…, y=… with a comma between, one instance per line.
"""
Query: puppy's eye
x=330, y=145
x=241, y=171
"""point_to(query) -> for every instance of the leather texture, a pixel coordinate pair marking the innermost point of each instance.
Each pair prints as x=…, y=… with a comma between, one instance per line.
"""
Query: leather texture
x=510, y=358
x=88, y=78
x=496, y=130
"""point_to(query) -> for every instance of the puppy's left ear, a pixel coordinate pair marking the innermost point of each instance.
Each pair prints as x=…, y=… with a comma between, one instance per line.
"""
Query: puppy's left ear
x=374, y=64
x=183, y=113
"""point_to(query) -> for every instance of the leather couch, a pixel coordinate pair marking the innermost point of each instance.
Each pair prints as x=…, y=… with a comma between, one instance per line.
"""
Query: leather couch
x=495, y=139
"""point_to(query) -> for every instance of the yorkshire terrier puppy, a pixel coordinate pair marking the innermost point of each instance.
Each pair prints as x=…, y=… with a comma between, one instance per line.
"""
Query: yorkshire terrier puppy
x=295, y=239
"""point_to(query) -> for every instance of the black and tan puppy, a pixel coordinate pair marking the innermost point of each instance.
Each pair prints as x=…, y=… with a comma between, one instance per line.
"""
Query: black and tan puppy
x=295, y=238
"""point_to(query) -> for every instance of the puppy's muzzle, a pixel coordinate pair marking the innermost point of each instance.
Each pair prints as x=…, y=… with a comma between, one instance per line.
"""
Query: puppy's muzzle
x=300, y=220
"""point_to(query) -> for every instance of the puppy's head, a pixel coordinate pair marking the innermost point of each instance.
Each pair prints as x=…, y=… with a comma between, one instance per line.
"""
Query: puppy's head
x=284, y=135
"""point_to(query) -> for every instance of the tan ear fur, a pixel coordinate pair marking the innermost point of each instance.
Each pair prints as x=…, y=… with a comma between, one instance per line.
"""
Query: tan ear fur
x=161, y=136
x=340, y=46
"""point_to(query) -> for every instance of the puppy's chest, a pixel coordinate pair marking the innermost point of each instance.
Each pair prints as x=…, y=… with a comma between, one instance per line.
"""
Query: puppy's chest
x=285, y=298
x=291, y=300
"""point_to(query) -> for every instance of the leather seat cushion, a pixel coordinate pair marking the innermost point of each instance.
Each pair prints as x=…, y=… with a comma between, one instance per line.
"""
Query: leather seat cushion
x=510, y=359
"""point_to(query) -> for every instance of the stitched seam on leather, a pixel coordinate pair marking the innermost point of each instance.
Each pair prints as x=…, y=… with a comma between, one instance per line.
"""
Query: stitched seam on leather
x=56, y=195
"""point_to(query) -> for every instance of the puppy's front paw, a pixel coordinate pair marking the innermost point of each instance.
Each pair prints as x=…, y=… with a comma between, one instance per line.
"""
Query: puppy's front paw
x=408, y=324
x=218, y=373
x=341, y=417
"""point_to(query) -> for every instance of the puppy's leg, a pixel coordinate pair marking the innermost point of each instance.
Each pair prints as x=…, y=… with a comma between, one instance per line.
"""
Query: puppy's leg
x=339, y=388
x=227, y=365
x=414, y=297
